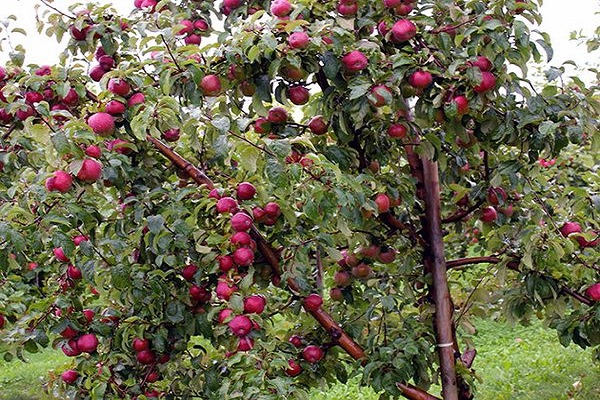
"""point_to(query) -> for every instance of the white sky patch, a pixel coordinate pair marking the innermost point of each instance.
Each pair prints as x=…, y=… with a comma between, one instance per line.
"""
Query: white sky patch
x=560, y=19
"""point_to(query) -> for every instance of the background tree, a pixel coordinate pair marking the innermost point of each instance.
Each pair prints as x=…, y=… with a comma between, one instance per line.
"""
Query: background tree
x=353, y=159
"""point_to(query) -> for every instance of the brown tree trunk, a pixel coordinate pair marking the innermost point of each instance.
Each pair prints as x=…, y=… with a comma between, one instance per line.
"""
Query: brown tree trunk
x=435, y=262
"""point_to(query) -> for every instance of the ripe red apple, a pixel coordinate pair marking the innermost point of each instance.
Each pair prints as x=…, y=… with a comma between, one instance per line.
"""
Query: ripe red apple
x=296, y=341
x=298, y=95
x=241, y=239
x=87, y=343
x=280, y=8
x=243, y=257
x=362, y=270
x=488, y=81
x=387, y=257
x=317, y=125
x=89, y=315
x=135, y=99
x=262, y=125
x=383, y=203
x=210, y=85
x=404, y=9
x=254, y=304
x=107, y=63
x=224, y=314
x=90, y=171
x=201, y=25
x=145, y=357
x=188, y=272
x=277, y=115
x=139, y=344
x=245, y=344
x=241, y=222
x=224, y=290
x=188, y=27
x=397, y=131
x=496, y=196
x=312, y=354
x=298, y=40
x=272, y=209
x=313, y=302
x=73, y=272
x=380, y=95
x=69, y=376
x=225, y=263
x=584, y=243
x=93, y=151
x=119, y=146
x=342, y=278
x=226, y=205
x=593, y=292
x=569, y=228
x=420, y=79
x=60, y=255
x=294, y=368
x=114, y=107
x=152, y=377
x=483, y=63
x=120, y=87
x=355, y=61
x=489, y=214
x=392, y=3
x=246, y=191
x=240, y=325
x=97, y=72
x=102, y=124
x=69, y=332
x=347, y=9
x=171, y=135
x=33, y=97
x=61, y=181
x=462, y=104
x=403, y=30
x=70, y=348
x=24, y=112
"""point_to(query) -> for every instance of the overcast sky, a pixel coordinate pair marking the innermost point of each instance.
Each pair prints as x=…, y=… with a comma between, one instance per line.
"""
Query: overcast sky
x=560, y=18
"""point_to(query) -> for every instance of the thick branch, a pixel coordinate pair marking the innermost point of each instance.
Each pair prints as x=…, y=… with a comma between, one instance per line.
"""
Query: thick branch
x=472, y=260
x=414, y=393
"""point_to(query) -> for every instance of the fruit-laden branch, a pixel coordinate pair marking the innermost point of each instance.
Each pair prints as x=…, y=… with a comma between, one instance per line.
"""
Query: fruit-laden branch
x=513, y=265
x=462, y=214
x=271, y=256
x=412, y=392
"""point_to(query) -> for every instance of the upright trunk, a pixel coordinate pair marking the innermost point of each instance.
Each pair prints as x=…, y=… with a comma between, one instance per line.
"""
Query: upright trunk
x=435, y=263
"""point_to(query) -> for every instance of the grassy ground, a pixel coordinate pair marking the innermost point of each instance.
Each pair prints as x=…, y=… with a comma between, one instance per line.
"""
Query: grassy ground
x=513, y=362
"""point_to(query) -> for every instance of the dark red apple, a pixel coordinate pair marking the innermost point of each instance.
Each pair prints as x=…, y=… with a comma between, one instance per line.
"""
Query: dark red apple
x=139, y=344
x=240, y=325
x=120, y=87
x=355, y=61
x=171, y=135
x=383, y=203
x=280, y=8
x=226, y=205
x=488, y=81
x=403, y=30
x=90, y=171
x=317, y=125
x=246, y=191
x=210, y=85
x=243, y=257
x=87, y=343
x=298, y=95
x=569, y=228
x=224, y=290
x=397, y=131
x=593, y=292
x=296, y=341
x=103, y=124
x=188, y=272
x=225, y=263
x=114, y=107
x=483, y=63
x=298, y=40
x=69, y=376
x=489, y=214
x=241, y=239
x=254, y=304
x=312, y=354
x=145, y=357
x=313, y=302
x=73, y=272
x=294, y=368
x=245, y=344
x=462, y=104
x=277, y=115
x=420, y=79
x=241, y=222
x=93, y=151
x=380, y=95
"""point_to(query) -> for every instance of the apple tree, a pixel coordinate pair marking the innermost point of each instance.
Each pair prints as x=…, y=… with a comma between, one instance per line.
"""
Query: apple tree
x=244, y=199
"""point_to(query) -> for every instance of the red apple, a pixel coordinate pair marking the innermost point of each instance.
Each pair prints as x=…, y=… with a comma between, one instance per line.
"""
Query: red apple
x=87, y=343
x=145, y=357
x=362, y=270
x=336, y=294
x=210, y=85
x=462, y=104
x=224, y=290
x=298, y=95
x=241, y=222
x=224, y=314
x=93, y=151
x=225, y=263
x=380, y=95
x=70, y=348
x=241, y=239
x=135, y=99
x=496, y=196
x=61, y=182
x=226, y=205
x=90, y=171
x=120, y=87
x=488, y=81
x=171, y=135
x=298, y=40
x=140, y=344
x=397, y=131
x=245, y=344
x=272, y=209
x=383, y=203
x=188, y=272
x=114, y=107
x=60, y=255
x=69, y=332
x=317, y=125
x=342, y=278
x=73, y=272
x=89, y=315
x=296, y=341
x=593, y=292
x=69, y=376
x=355, y=61
x=347, y=9
x=569, y=228
x=483, y=63
x=103, y=124
x=294, y=368
x=240, y=325
x=277, y=115
x=199, y=293
x=246, y=191
x=280, y=8
x=254, y=304
x=313, y=302
x=312, y=354
x=243, y=257
x=420, y=79
x=489, y=214
x=403, y=30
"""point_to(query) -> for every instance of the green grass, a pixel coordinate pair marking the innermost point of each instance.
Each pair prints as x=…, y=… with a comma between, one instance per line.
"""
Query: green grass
x=513, y=363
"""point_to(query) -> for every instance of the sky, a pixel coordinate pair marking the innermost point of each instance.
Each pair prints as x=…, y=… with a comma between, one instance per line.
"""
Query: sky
x=560, y=18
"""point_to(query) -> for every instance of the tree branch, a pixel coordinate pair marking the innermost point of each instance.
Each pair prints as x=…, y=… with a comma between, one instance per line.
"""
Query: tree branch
x=414, y=393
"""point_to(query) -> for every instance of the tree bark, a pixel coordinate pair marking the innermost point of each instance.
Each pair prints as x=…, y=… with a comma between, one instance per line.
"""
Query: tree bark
x=435, y=261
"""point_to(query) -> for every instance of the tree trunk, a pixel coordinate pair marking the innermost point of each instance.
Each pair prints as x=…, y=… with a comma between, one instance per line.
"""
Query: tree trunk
x=435, y=262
